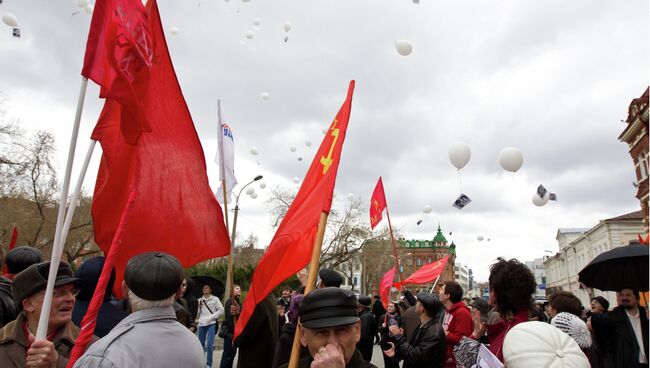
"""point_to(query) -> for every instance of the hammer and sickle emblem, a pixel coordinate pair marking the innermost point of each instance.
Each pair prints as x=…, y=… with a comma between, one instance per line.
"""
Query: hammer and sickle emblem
x=327, y=161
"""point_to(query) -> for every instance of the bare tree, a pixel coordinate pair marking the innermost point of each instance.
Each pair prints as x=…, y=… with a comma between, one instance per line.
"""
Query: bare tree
x=278, y=203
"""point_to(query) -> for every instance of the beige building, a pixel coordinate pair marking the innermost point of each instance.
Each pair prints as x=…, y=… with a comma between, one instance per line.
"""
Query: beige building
x=578, y=247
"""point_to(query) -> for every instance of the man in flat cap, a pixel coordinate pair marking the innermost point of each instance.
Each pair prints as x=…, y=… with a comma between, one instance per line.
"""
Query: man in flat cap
x=330, y=329
x=329, y=278
x=16, y=260
x=150, y=336
x=18, y=346
x=427, y=346
x=368, y=328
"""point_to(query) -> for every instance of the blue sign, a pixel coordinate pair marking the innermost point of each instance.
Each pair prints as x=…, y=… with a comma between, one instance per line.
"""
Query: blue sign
x=541, y=286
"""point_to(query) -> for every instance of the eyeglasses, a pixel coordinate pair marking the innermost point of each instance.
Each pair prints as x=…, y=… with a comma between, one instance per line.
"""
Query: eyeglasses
x=64, y=293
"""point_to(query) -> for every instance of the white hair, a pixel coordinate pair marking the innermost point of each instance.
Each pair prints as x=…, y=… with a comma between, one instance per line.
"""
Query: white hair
x=138, y=303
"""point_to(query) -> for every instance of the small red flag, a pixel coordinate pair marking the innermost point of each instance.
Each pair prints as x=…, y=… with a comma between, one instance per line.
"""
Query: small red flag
x=291, y=247
x=643, y=241
x=176, y=211
x=385, y=285
x=377, y=203
x=425, y=274
x=14, y=238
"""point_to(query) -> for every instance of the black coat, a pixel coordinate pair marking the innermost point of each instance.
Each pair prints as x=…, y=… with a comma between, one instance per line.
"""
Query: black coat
x=425, y=349
x=107, y=318
x=285, y=343
x=228, y=319
x=368, y=332
x=378, y=309
x=8, y=310
x=619, y=344
x=356, y=362
x=257, y=341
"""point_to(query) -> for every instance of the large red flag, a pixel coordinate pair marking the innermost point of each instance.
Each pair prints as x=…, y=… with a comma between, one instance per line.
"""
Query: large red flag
x=176, y=212
x=385, y=285
x=291, y=247
x=377, y=203
x=425, y=274
x=14, y=238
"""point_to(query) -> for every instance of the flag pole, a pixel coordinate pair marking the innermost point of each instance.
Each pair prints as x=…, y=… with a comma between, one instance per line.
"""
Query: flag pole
x=392, y=240
x=311, y=281
x=435, y=283
x=57, y=246
x=222, y=169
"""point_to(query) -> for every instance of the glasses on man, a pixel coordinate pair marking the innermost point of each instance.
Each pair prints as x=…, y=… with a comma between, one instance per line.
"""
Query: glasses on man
x=64, y=293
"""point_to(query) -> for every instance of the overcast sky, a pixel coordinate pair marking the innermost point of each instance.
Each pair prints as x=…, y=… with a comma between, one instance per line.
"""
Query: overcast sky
x=553, y=78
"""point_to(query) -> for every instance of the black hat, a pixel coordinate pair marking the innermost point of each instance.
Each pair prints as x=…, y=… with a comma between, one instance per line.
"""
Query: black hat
x=430, y=302
x=20, y=258
x=328, y=307
x=364, y=300
x=34, y=279
x=330, y=278
x=153, y=275
x=603, y=302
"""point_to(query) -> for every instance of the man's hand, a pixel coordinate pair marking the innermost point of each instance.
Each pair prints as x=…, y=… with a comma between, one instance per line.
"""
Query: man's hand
x=41, y=354
x=479, y=327
x=234, y=310
x=329, y=356
x=391, y=351
x=396, y=330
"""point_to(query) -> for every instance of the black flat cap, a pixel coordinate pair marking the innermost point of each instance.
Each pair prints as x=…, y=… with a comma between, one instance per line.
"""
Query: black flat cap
x=430, y=302
x=328, y=307
x=153, y=275
x=34, y=279
x=603, y=302
x=18, y=259
x=330, y=278
x=364, y=300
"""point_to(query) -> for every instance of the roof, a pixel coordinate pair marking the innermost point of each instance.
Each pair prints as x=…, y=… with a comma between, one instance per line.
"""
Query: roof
x=636, y=215
x=572, y=230
x=439, y=238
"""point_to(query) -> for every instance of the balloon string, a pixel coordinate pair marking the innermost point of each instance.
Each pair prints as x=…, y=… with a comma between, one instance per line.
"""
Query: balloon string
x=460, y=181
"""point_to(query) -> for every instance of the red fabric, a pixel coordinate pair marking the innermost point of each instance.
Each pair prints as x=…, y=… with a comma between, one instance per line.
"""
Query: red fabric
x=291, y=247
x=176, y=211
x=497, y=332
x=460, y=325
x=14, y=238
x=425, y=274
x=377, y=203
x=643, y=241
x=385, y=285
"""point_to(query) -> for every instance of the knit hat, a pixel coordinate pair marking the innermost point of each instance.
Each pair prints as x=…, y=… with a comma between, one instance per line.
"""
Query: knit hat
x=574, y=327
x=602, y=301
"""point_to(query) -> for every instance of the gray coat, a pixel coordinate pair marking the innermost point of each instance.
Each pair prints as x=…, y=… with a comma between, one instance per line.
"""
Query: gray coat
x=146, y=338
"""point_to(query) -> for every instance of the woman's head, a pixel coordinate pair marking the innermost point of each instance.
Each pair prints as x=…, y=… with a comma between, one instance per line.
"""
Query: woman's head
x=511, y=286
x=207, y=289
x=392, y=308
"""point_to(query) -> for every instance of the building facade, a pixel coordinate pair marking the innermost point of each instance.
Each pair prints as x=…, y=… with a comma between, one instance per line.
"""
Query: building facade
x=578, y=247
x=536, y=266
x=635, y=135
x=461, y=275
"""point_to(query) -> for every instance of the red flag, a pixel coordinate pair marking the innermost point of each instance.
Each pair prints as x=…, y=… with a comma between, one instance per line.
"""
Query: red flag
x=426, y=273
x=643, y=241
x=377, y=203
x=291, y=247
x=176, y=211
x=385, y=285
x=14, y=238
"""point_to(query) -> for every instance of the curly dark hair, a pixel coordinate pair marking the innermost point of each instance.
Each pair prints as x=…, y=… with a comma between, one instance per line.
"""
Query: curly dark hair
x=513, y=285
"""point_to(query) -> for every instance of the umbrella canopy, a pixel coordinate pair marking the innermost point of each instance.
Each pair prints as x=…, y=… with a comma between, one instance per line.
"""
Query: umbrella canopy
x=620, y=268
x=217, y=286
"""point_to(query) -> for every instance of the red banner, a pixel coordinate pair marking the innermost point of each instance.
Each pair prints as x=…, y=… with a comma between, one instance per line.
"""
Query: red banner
x=385, y=285
x=377, y=203
x=427, y=273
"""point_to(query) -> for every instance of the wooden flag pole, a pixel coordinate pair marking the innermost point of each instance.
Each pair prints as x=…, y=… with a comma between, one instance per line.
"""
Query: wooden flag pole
x=311, y=281
x=57, y=246
x=392, y=240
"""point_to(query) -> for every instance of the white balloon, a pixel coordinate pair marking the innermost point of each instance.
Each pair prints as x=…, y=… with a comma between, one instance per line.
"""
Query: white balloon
x=403, y=47
x=245, y=1
x=264, y=96
x=89, y=8
x=262, y=185
x=257, y=22
x=254, y=151
x=174, y=30
x=82, y=3
x=292, y=149
x=287, y=26
x=296, y=180
x=511, y=159
x=250, y=35
x=250, y=190
x=254, y=195
x=426, y=209
x=459, y=154
x=308, y=143
x=10, y=19
x=354, y=212
x=539, y=201
x=479, y=238
x=350, y=196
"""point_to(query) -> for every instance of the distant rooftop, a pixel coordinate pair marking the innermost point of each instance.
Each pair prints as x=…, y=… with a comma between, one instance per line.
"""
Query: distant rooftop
x=572, y=230
x=636, y=215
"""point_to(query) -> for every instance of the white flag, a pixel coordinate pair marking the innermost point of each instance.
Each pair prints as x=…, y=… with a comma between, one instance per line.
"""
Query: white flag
x=226, y=160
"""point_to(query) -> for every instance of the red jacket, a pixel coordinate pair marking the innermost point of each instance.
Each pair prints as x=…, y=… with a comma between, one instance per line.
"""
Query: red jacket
x=497, y=332
x=460, y=324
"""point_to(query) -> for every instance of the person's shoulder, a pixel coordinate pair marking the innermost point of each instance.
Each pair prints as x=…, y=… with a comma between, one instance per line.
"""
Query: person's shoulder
x=94, y=361
x=8, y=331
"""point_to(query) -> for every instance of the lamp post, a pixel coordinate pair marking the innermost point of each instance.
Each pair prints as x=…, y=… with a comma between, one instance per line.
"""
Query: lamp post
x=229, y=283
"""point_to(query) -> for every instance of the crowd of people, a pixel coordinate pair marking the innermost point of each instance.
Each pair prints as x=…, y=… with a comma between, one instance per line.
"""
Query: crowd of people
x=160, y=323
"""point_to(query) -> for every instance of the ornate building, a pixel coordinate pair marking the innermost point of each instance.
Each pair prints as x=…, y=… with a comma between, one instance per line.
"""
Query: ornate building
x=636, y=137
x=378, y=258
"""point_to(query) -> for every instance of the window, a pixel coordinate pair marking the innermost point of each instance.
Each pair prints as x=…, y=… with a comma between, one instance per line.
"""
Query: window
x=355, y=281
x=409, y=262
x=642, y=163
x=430, y=260
x=419, y=262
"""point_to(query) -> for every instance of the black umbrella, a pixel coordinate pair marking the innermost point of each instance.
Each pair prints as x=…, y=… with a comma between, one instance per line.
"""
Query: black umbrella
x=217, y=286
x=620, y=268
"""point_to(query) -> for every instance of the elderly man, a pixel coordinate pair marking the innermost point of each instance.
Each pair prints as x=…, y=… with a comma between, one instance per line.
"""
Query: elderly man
x=18, y=347
x=330, y=329
x=150, y=336
x=329, y=278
